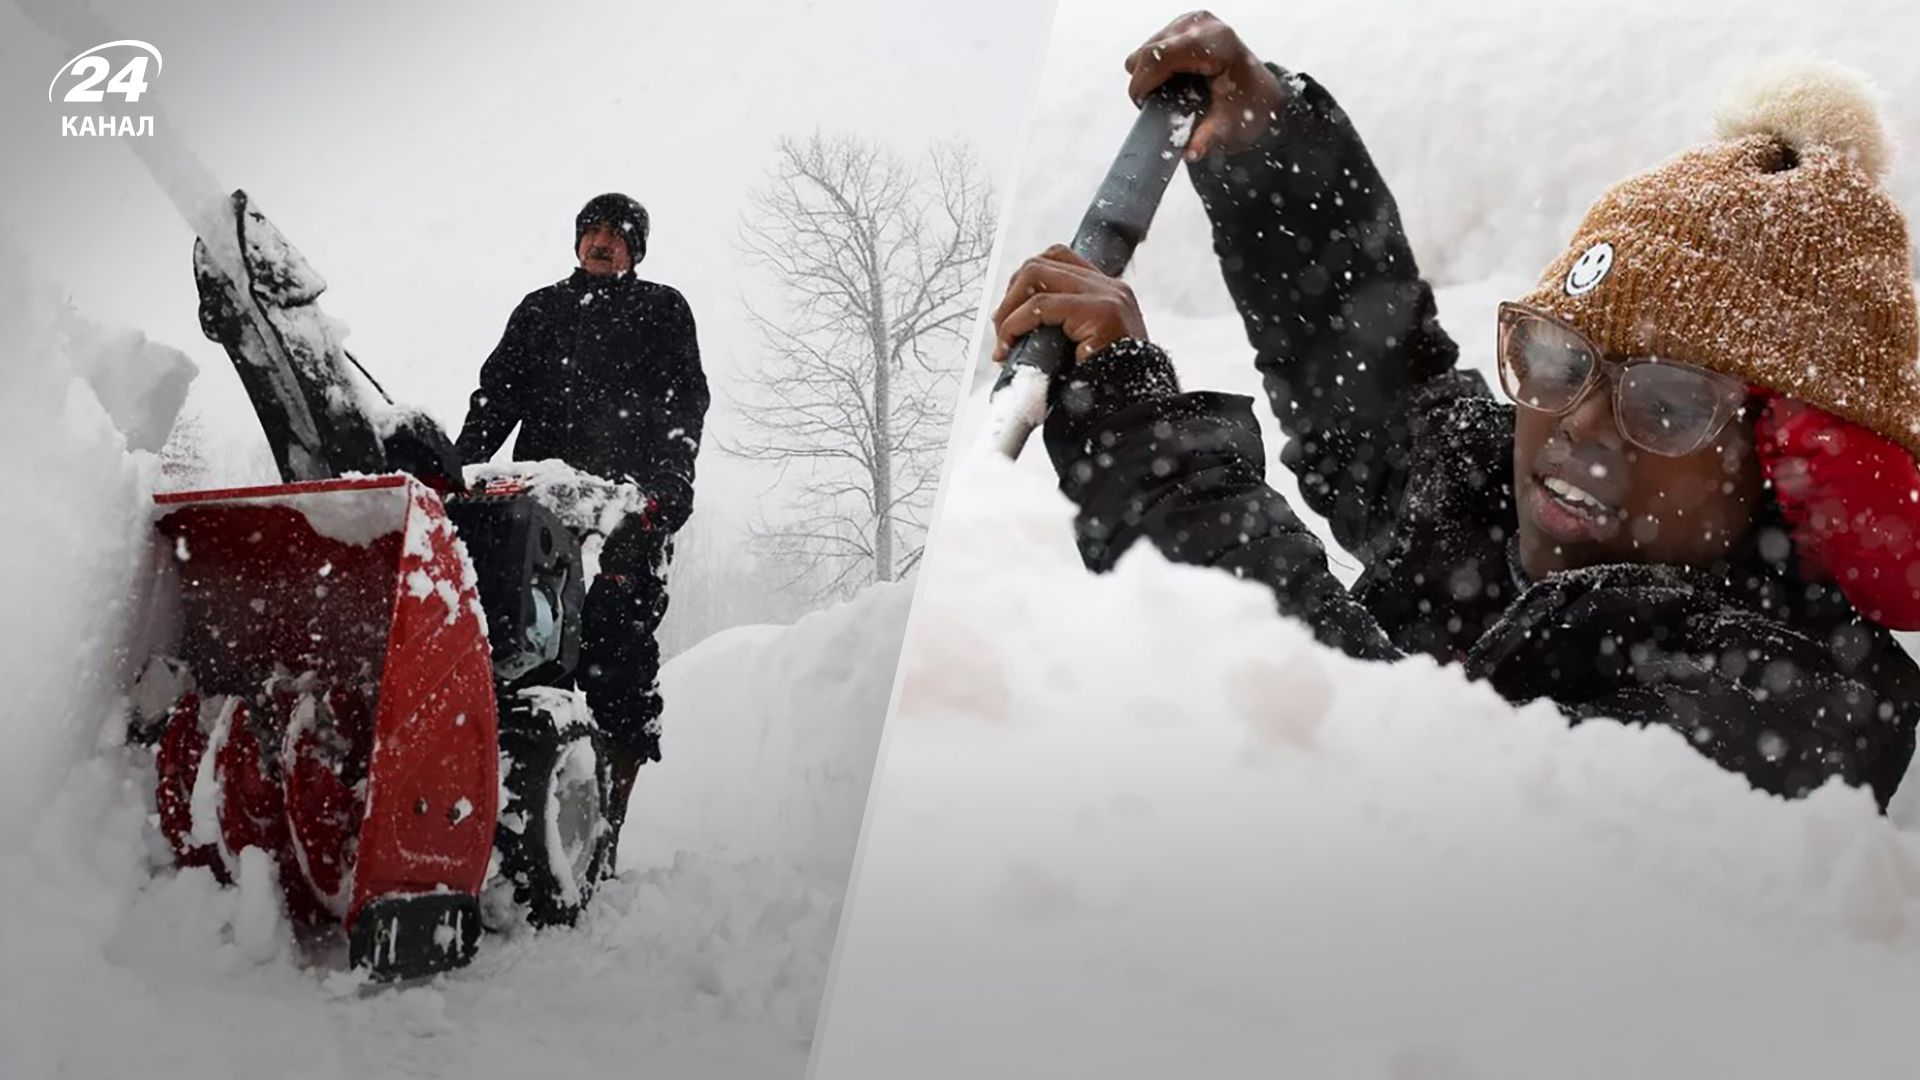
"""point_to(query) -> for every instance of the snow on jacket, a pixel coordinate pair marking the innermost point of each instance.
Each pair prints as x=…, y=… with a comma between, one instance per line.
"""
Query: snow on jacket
x=604, y=374
x=1410, y=459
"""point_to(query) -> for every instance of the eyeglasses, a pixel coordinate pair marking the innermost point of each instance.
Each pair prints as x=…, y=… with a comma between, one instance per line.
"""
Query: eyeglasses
x=1662, y=406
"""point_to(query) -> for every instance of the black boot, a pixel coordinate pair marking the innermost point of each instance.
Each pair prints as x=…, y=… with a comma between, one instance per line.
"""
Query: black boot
x=623, y=767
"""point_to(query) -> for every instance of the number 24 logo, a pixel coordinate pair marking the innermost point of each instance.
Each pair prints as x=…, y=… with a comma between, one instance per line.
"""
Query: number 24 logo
x=130, y=81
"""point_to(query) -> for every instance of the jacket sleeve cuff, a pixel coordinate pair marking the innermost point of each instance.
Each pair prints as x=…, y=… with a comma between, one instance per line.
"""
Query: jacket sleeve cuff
x=1125, y=373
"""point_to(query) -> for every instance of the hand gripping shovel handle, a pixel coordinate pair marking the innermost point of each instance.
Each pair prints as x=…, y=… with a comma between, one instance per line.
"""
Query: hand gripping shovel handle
x=1114, y=225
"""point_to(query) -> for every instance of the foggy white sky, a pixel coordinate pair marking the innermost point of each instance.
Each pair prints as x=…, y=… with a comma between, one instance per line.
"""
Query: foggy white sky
x=428, y=157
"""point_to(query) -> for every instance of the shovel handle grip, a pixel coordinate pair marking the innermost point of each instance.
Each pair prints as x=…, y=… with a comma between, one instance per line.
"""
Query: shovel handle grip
x=1114, y=225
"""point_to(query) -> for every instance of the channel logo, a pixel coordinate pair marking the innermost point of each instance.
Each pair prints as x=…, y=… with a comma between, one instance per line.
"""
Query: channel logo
x=92, y=78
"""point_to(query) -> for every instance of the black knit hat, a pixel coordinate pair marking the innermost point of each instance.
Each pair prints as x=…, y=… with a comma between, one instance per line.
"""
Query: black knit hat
x=620, y=211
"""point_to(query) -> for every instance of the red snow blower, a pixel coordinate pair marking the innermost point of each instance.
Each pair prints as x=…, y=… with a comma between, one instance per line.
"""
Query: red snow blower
x=365, y=669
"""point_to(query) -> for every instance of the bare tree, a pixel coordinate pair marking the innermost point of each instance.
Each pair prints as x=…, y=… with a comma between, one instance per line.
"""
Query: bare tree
x=879, y=263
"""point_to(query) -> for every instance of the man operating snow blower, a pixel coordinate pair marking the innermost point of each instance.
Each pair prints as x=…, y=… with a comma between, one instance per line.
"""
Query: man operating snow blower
x=602, y=371
x=1701, y=507
x=366, y=672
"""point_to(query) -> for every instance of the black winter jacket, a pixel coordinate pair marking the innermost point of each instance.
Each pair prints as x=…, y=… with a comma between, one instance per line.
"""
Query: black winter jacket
x=604, y=374
x=1410, y=459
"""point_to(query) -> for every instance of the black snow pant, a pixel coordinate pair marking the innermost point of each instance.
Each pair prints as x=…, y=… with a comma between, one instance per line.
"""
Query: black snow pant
x=620, y=657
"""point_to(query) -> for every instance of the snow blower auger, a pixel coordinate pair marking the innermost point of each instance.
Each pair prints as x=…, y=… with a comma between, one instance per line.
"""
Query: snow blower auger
x=363, y=669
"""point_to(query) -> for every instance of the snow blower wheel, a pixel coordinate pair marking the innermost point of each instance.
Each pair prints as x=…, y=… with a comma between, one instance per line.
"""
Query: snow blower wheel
x=554, y=838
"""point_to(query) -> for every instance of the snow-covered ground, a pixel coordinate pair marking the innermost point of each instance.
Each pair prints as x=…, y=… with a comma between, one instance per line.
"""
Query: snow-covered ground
x=1137, y=825
x=706, y=958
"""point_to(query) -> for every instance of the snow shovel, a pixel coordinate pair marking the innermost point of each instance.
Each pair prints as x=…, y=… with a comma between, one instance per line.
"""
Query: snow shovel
x=1115, y=223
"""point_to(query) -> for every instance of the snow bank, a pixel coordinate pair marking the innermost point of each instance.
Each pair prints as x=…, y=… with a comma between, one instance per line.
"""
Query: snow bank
x=776, y=761
x=76, y=539
x=1137, y=825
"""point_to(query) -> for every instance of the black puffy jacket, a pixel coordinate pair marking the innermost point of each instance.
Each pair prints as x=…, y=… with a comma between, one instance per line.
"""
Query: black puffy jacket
x=604, y=374
x=1410, y=459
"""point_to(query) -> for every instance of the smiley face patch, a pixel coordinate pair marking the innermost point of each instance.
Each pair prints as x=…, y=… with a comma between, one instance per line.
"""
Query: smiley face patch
x=1590, y=269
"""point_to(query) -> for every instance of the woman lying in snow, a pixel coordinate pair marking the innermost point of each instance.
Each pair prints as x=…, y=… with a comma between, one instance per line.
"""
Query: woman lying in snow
x=1700, y=509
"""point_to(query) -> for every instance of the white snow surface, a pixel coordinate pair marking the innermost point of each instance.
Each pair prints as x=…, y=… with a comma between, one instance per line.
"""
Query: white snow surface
x=707, y=957
x=776, y=762
x=1138, y=825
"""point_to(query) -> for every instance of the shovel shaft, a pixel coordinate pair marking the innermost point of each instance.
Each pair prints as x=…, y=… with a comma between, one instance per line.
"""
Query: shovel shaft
x=1115, y=224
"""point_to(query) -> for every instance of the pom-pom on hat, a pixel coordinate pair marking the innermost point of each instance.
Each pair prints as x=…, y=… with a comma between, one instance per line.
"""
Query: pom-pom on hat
x=1808, y=102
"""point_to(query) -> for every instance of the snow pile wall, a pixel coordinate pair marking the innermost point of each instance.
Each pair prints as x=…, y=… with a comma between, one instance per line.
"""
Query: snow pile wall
x=769, y=739
x=1136, y=825
x=76, y=500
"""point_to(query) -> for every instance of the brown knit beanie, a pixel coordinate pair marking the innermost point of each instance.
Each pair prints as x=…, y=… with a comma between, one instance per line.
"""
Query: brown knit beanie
x=1772, y=255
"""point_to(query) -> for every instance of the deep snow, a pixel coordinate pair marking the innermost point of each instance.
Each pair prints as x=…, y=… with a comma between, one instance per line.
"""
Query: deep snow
x=77, y=528
x=1137, y=825
x=706, y=958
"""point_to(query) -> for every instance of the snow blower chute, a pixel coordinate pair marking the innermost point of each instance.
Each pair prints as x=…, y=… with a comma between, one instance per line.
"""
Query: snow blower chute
x=365, y=668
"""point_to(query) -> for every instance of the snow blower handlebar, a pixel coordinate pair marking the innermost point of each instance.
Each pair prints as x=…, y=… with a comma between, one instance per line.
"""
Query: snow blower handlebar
x=1115, y=223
